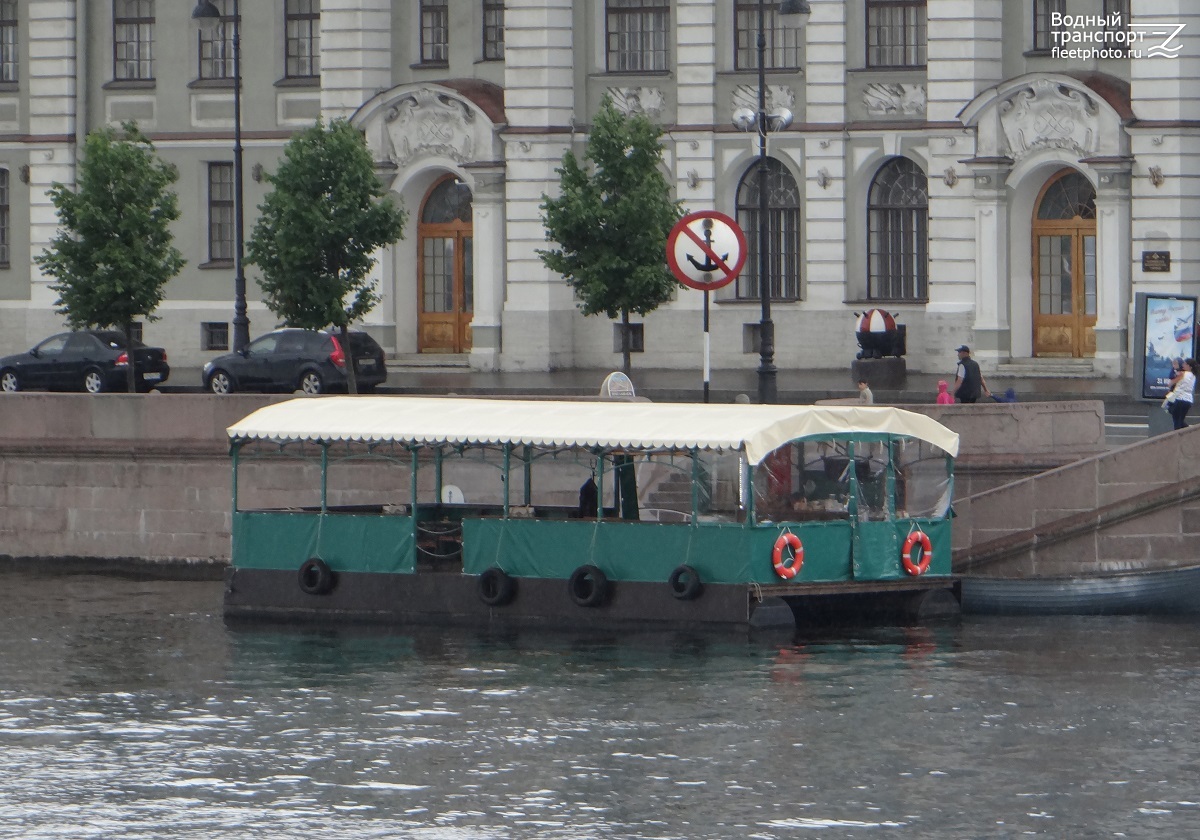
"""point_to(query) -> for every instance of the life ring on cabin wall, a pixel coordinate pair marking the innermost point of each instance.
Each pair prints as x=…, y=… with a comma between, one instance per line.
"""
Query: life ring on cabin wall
x=926, y=553
x=785, y=571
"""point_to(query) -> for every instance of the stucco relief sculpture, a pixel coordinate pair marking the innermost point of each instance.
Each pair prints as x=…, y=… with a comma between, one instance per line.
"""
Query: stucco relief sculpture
x=428, y=122
x=903, y=99
x=1048, y=115
x=779, y=97
x=638, y=100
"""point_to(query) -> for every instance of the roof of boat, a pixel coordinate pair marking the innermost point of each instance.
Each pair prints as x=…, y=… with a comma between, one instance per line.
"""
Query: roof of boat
x=756, y=430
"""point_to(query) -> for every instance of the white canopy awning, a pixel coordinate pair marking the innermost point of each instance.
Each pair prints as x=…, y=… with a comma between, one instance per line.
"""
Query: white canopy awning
x=755, y=429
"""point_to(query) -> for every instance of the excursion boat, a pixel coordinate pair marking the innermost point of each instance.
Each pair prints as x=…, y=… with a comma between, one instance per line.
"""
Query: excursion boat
x=588, y=513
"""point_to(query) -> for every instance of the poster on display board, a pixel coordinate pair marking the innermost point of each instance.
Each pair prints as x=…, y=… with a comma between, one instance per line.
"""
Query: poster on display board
x=1167, y=327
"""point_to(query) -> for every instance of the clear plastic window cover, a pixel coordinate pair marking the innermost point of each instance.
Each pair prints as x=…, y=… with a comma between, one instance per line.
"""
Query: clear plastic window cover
x=802, y=480
x=360, y=474
x=892, y=478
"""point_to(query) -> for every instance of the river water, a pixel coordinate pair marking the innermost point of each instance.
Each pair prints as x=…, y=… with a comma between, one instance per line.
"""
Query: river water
x=129, y=709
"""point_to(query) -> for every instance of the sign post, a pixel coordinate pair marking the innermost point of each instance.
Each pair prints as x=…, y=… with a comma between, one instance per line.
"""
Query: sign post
x=706, y=250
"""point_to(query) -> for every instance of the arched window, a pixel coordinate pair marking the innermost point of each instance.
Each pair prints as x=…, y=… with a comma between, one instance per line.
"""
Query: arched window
x=898, y=233
x=783, y=232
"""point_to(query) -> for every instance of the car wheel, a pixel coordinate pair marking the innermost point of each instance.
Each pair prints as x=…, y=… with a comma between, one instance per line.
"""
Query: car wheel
x=10, y=383
x=220, y=382
x=93, y=381
x=311, y=382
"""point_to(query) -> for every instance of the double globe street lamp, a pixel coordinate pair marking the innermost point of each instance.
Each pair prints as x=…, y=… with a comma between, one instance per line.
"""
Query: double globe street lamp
x=792, y=14
x=209, y=18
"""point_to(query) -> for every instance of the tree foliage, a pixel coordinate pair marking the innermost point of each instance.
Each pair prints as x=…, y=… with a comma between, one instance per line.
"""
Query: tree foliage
x=318, y=228
x=611, y=223
x=113, y=252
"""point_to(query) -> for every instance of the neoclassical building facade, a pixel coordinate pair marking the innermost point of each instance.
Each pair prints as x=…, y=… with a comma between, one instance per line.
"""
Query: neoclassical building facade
x=989, y=171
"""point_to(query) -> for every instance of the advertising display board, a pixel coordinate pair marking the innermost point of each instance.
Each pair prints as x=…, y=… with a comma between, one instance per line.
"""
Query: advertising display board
x=1166, y=331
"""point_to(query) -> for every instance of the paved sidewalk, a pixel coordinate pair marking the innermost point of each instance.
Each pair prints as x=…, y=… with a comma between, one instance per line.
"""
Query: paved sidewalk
x=794, y=386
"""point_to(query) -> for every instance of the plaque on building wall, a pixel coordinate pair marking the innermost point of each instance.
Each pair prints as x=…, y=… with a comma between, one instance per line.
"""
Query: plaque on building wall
x=1156, y=260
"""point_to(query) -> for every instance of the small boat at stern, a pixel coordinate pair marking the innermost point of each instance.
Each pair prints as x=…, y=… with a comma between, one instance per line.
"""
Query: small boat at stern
x=588, y=514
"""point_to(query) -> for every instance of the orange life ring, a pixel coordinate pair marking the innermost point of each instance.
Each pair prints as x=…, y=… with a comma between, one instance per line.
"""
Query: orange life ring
x=781, y=567
x=926, y=553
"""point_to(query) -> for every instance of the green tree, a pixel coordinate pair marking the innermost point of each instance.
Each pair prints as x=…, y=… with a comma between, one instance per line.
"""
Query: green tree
x=611, y=224
x=317, y=229
x=113, y=252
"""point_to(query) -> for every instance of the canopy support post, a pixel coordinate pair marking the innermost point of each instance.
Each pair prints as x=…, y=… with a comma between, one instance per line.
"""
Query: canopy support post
x=507, y=474
x=324, y=478
x=528, y=464
x=695, y=482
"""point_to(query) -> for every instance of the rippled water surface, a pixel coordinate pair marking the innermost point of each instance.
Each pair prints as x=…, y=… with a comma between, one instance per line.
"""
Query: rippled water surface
x=130, y=710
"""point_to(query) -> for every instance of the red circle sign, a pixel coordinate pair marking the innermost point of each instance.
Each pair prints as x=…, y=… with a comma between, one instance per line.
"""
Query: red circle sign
x=706, y=250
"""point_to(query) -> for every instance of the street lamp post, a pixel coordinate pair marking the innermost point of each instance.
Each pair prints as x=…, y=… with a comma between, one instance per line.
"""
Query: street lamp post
x=208, y=15
x=792, y=13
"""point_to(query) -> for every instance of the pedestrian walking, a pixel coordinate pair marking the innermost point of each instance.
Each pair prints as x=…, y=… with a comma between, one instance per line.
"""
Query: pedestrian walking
x=943, y=395
x=968, y=380
x=1179, y=400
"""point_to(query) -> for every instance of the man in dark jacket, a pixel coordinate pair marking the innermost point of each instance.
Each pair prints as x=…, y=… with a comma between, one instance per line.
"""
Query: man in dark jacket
x=968, y=380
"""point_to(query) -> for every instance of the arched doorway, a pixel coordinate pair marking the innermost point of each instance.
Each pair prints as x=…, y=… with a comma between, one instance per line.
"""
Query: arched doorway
x=444, y=265
x=1064, y=267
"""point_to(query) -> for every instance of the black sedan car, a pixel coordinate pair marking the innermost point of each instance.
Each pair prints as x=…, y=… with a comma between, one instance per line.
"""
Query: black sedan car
x=85, y=360
x=291, y=359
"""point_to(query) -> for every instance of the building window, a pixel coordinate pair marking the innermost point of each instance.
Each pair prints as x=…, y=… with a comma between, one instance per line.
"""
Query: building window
x=637, y=35
x=783, y=232
x=220, y=212
x=1043, y=12
x=895, y=33
x=214, y=335
x=1119, y=8
x=133, y=40
x=783, y=43
x=216, y=47
x=302, y=23
x=8, y=41
x=898, y=233
x=435, y=32
x=493, y=30
x=5, y=220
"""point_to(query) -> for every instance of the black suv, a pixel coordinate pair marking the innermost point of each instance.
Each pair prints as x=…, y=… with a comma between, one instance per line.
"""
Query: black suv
x=293, y=359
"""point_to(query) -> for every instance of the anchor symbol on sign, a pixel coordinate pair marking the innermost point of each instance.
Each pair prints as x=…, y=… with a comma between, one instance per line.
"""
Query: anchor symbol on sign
x=708, y=265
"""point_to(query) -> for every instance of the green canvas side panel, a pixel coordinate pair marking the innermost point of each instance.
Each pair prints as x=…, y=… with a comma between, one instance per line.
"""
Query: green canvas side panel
x=938, y=531
x=347, y=542
x=647, y=551
x=876, y=551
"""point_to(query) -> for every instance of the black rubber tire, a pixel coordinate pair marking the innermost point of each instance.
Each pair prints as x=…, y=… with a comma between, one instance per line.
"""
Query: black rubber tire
x=315, y=577
x=220, y=382
x=497, y=587
x=588, y=587
x=311, y=382
x=685, y=583
x=93, y=381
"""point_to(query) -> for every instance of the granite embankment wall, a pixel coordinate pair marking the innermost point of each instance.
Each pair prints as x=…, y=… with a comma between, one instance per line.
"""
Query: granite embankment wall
x=1132, y=509
x=136, y=479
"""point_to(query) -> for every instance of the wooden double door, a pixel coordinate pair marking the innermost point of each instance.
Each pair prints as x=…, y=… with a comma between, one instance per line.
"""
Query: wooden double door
x=1064, y=268
x=446, y=287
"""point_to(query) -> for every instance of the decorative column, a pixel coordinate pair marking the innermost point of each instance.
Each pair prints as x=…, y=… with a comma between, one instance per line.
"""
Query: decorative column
x=488, y=269
x=1114, y=259
x=992, y=338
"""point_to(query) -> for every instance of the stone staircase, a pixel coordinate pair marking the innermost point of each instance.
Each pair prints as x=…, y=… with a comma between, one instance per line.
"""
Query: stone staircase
x=430, y=362
x=1044, y=368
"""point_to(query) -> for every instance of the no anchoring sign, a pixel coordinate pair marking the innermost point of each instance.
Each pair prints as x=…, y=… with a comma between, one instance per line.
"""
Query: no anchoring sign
x=706, y=250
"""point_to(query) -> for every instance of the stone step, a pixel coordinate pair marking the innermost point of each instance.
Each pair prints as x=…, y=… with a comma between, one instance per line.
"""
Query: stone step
x=426, y=361
x=1045, y=368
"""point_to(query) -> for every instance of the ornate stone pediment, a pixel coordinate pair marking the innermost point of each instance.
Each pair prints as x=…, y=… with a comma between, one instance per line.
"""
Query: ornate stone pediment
x=1045, y=114
x=638, y=100
x=894, y=99
x=429, y=122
